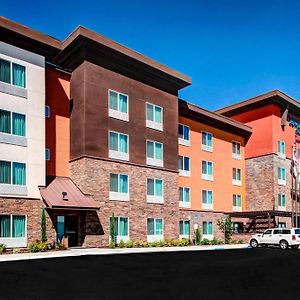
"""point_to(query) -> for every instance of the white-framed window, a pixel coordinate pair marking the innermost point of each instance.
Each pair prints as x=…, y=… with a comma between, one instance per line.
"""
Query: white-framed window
x=207, y=230
x=155, y=230
x=121, y=228
x=12, y=73
x=12, y=123
x=184, y=166
x=236, y=176
x=183, y=134
x=207, y=199
x=236, y=202
x=281, y=176
x=236, y=150
x=207, y=170
x=47, y=154
x=13, y=230
x=185, y=197
x=154, y=116
x=281, y=202
x=47, y=111
x=118, y=145
x=281, y=225
x=154, y=153
x=184, y=229
x=155, y=190
x=13, y=173
x=118, y=187
x=118, y=105
x=207, y=141
x=281, y=149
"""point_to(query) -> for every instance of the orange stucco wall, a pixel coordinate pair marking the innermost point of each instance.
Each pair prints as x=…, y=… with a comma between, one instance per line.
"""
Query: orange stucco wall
x=267, y=131
x=58, y=125
x=223, y=163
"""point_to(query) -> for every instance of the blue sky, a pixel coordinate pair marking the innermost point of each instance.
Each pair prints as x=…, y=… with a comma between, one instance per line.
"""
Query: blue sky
x=233, y=50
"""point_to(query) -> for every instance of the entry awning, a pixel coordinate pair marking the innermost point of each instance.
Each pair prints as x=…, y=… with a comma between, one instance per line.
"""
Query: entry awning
x=62, y=193
x=260, y=214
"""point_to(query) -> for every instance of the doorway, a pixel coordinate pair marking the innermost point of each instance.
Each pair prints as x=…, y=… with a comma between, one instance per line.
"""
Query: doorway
x=68, y=226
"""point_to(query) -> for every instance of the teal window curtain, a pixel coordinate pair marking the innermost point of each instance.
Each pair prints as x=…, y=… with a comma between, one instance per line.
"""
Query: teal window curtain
x=158, y=151
x=113, y=141
x=180, y=163
x=4, y=71
x=113, y=100
x=158, y=187
x=204, y=171
x=123, y=226
x=18, y=75
x=210, y=228
x=150, y=149
x=19, y=173
x=5, y=121
x=123, y=103
x=114, y=183
x=204, y=196
x=239, y=201
x=150, y=187
x=18, y=226
x=209, y=139
x=149, y=112
x=116, y=225
x=180, y=131
x=150, y=226
x=158, y=227
x=186, y=195
x=204, y=142
x=180, y=194
x=186, y=133
x=209, y=197
x=5, y=172
x=283, y=173
x=181, y=228
x=60, y=227
x=281, y=147
x=123, y=143
x=18, y=124
x=123, y=184
x=186, y=163
x=186, y=227
x=204, y=228
x=4, y=226
x=158, y=114
x=209, y=168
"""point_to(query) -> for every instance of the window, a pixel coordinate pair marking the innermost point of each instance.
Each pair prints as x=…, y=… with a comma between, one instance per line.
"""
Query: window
x=154, y=190
x=184, y=229
x=286, y=231
x=269, y=231
x=277, y=231
x=207, y=170
x=47, y=111
x=154, y=153
x=206, y=141
x=237, y=227
x=183, y=135
x=281, y=149
x=184, y=166
x=12, y=173
x=118, y=105
x=12, y=123
x=118, y=145
x=237, y=202
x=154, y=116
x=12, y=73
x=121, y=228
x=281, y=202
x=184, y=197
x=282, y=225
x=47, y=154
x=236, y=176
x=236, y=150
x=118, y=187
x=207, y=199
x=154, y=229
x=207, y=229
x=281, y=176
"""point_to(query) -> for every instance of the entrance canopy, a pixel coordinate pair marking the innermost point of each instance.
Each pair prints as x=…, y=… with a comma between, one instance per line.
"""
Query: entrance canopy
x=260, y=214
x=62, y=193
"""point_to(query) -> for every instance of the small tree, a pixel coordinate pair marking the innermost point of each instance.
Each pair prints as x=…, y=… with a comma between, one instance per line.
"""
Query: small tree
x=43, y=226
x=112, y=231
x=197, y=237
x=226, y=226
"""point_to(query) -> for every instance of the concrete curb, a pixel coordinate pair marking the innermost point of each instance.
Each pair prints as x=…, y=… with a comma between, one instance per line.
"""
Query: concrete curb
x=100, y=251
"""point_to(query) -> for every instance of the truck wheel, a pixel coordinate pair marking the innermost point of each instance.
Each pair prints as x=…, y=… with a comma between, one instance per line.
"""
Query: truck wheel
x=283, y=244
x=253, y=243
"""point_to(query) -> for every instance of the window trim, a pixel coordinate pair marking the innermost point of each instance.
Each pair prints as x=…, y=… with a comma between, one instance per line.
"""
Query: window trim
x=234, y=174
x=280, y=154
x=117, y=114
x=237, y=156
x=153, y=124
x=118, y=154
x=153, y=198
x=185, y=204
x=234, y=199
x=119, y=196
x=184, y=235
x=281, y=181
x=204, y=176
x=183, y=141
x=119, y=237
x=155, y=237
x=154, y=161
x=207, y=206
x=11, y=174
x=208, y=236
x=183, y=172
x=11, y=124
x=204, y=147
x=281, y=207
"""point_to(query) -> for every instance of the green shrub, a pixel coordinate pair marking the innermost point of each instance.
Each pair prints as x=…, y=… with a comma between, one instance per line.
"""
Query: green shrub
x=112, y=244
x=214, y=242
x=16, y=250
x=168, y=243
x=197, y=237
x=2, y=248
x=240, y=241
x=145, y=244
x=205, y=242
x=138, y=244
x=154, y=244
x=175, y=243
x=129, y=244
x=38, y=246
x=161, y=244
x=60, y=246
x=184, y=242
x=121, y=244
x=233, y=242
x=43, y=226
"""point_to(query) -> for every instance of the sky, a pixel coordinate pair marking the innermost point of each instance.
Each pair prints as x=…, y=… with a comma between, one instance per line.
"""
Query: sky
x=232, y=49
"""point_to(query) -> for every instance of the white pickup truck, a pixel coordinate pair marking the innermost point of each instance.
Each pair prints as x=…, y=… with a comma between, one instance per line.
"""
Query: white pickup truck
x=283, y=237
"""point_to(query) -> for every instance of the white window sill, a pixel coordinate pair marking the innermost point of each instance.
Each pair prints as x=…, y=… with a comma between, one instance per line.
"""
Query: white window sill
x=236, y=208
x=184, y=236
x=237, y=182
x=208, y=236
x=14, y=242
x=206, y=148
x=184, y=173
x=281, y=182
x=155, y=238
x=124, y=238
x=281, y=155
x=118, y=115
x=118, y=155
x=118, y=196
x=207, y=177
x=183, y=142
x=282, y=208
x=154, y=125
x=207, y=206
x=155, y=162
x=10, y=189
x=155, y=199
x=12, y=139
x=184, y=204
x=10, y=89
x=236, y=156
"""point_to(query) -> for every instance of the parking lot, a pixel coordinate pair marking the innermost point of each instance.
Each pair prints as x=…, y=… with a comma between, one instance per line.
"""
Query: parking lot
x=262, y=273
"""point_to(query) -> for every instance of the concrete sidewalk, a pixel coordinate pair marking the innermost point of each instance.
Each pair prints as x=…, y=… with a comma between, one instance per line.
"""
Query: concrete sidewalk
x=100, y=251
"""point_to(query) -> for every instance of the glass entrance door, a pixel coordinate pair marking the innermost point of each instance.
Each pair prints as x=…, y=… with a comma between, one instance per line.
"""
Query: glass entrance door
x=68, y=226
